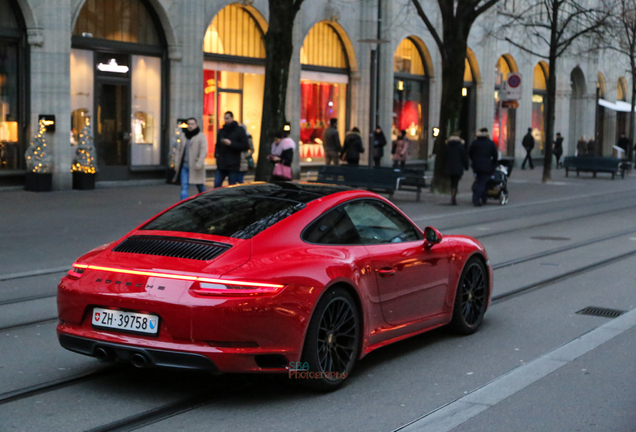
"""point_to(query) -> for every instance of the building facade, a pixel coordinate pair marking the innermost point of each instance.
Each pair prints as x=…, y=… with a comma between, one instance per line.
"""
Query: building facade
x=136, y=68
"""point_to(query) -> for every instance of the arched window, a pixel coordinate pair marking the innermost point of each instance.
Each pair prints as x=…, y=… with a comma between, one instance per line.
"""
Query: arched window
x=410, y=96
x=468, y=115
x=234, y=72
x=503, y=128
x=407, y=59
x=117, y=69
x=117, y=20
x=323, y=47
x=323, y=87
x=539, y=93
x=13, y=86
x=234, y=32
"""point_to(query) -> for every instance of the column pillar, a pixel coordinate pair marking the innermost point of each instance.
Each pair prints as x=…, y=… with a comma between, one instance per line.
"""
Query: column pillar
x=51, y=84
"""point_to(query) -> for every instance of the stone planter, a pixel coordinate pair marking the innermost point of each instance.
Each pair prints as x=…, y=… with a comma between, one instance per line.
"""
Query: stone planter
x=39, y=182
x=83, y=181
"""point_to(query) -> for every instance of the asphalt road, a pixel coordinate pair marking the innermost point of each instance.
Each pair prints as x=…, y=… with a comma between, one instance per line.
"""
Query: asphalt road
x=536, y=365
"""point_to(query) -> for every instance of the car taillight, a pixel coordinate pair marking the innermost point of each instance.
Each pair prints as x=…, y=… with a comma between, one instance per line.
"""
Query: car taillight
x=77, y=270
x=205, y=286
x=235, y=288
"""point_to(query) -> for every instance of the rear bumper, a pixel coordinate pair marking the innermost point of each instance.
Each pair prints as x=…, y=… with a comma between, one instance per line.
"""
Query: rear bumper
x=155, y=357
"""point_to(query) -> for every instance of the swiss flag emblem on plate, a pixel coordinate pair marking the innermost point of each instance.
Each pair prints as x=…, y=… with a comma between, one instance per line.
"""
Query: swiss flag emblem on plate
x=96, y=316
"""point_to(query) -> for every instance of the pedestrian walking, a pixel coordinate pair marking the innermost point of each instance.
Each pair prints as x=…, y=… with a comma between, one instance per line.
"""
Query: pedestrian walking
x=400, y=150
x=558, y=149
x=281, y=156
x=528, y=144
x=331, y=143
x=230, y=143
x=591, y=148
x=623, y=143
x=483, y=155
x=247, y=161
x=456, y=162
x=581, y=146
x=190, y=159
x=379, y=141
x=353, y=147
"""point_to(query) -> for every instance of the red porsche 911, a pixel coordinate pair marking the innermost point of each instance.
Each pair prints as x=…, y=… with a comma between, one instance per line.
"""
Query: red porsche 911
x=303, y=279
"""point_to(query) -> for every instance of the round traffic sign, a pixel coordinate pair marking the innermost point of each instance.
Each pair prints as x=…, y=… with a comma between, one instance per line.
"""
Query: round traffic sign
x=514, y=80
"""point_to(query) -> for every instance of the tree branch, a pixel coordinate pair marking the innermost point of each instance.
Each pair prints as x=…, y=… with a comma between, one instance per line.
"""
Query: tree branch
x=430, y=27
x=522, y=48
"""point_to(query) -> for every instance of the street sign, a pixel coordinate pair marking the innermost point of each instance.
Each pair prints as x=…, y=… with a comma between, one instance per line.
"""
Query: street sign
x=512, y=86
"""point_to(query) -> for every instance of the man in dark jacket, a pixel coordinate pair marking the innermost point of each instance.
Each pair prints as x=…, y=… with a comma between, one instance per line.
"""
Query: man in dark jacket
x=528, y=144
x=231, y=141
x=353, y=147
x=623, y=142
x=331, y=143
x=456, y=162
x=483, y=154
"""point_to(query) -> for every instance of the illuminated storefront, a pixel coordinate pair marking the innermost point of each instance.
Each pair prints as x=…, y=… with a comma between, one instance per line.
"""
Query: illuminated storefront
x=622, y=118
x=117, y=71
x=468, y=115
x=505, y=116
x=323, y=89
x=410, y=98
x=233, y=72
x=539, y=94
x=13, y=87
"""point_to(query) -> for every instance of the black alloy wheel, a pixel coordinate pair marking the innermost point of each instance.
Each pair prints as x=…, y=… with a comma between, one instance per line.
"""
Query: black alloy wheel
x=332, y=342
x=471, y=299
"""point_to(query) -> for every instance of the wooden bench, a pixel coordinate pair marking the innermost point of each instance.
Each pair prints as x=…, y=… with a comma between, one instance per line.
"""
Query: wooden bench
x=595, y=164
x=375, y=179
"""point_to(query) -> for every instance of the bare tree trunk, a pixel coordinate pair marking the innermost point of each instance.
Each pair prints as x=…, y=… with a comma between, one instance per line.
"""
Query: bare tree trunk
x=550, y=105
x=450, y=110
x=279, y=49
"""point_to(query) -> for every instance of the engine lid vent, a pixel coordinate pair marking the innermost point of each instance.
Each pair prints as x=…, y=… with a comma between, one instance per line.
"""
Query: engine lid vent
x=172, y=247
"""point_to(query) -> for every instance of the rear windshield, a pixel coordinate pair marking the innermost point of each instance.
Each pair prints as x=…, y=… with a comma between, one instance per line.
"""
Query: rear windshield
x=237, y=216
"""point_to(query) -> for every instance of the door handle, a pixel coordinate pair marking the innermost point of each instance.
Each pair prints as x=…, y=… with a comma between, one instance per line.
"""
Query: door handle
x=386, y=272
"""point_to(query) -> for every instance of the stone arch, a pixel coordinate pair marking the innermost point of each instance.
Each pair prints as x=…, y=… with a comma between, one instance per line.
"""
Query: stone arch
x=154, y=7
x=30, y=21
x=471, y=60
x=601, y=85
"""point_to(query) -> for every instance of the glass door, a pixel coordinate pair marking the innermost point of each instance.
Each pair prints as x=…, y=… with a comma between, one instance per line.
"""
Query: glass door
x=112, y=134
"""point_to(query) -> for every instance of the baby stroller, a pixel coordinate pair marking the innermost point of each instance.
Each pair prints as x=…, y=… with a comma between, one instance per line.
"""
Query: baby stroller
x=497, y=186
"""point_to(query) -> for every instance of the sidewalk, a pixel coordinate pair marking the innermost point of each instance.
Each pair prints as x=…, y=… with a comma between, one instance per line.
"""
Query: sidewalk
x=47, y=230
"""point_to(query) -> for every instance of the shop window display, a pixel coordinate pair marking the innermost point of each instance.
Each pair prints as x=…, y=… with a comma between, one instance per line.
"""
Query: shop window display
x=241, y=93
x=539, y=93
x=9, y=148
x=407, y=113
x=320, y=102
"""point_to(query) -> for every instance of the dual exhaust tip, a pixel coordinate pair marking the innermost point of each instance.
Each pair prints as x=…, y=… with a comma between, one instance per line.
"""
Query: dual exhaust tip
x=107, y=355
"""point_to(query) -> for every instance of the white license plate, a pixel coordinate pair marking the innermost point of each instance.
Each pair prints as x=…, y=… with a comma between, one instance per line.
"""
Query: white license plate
x=129, y=321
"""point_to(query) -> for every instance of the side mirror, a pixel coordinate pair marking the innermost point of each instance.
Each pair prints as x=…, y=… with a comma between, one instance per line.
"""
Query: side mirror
x=432, y=236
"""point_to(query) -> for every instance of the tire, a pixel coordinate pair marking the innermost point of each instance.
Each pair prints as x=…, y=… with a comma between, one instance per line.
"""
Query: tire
x=471, y=298
x=332, y=343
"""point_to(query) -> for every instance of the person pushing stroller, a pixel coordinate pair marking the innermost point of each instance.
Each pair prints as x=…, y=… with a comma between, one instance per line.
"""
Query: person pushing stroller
x=483, y=154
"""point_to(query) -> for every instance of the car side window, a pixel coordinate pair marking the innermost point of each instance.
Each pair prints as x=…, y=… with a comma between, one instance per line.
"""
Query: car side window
x=377, y=223
x=334, y=227
x=365, y=222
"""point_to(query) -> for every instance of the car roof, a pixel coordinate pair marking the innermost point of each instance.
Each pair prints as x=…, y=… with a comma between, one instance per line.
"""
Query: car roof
x=299, y=192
